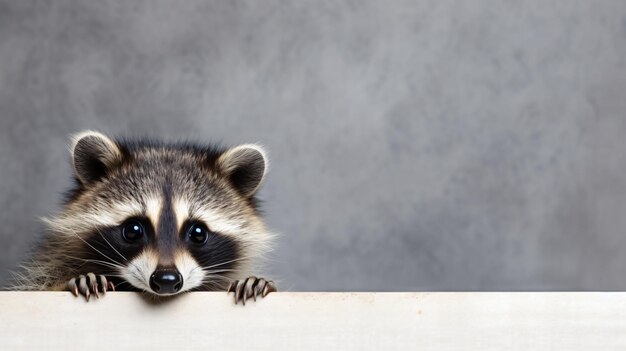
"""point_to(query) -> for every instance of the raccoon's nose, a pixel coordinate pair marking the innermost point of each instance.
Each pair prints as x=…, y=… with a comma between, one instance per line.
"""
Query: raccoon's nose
x=166, y=281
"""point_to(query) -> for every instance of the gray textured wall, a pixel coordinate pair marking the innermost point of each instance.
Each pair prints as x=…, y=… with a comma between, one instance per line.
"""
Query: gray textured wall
x=415, y=145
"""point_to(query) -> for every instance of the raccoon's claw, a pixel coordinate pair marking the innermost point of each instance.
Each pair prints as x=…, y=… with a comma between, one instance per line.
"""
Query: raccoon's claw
x=89, y=284
x=251, y=287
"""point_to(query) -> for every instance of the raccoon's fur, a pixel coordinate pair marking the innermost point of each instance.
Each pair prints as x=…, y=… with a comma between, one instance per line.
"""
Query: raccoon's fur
x=183, y=213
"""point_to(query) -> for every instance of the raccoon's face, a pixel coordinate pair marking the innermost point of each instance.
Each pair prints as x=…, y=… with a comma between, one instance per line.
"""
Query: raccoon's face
x=164, y=218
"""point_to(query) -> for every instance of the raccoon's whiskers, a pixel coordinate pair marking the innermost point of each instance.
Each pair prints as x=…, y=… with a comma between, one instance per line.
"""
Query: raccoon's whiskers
x=114, y=249
x=214, y=280
x=101, y=262
x=100, y=252
x=125, y=259
x=220, y=271
x=207, y=268
x=123, y=282
x=118, y=263
x=226, y=262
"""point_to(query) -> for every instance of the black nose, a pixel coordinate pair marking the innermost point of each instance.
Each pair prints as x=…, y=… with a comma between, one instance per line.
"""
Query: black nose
x=166, y=281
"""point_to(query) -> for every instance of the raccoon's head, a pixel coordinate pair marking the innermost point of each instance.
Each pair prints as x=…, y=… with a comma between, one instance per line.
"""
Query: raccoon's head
x=164, y=218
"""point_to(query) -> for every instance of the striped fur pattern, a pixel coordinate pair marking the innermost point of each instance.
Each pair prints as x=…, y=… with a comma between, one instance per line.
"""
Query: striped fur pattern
x=166, y=189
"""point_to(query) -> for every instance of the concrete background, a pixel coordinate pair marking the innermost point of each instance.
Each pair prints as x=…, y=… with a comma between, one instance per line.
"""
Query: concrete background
x=418, y=145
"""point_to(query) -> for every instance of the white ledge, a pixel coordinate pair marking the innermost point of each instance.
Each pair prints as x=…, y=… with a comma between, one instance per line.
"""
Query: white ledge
x=316, y=321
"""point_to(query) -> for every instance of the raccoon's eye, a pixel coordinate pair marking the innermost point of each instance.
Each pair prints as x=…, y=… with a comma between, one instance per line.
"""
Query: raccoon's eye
x=132, y=231
x=198, y=233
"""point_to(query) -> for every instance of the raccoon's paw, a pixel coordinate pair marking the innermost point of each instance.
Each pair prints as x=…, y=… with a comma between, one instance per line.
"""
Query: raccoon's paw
x=251, y=287
x=89, y=284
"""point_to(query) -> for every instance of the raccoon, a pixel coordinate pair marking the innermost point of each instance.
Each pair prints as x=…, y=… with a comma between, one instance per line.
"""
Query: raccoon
x=162, y=218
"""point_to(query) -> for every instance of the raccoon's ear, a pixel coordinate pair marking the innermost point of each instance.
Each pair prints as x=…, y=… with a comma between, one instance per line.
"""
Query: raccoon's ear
x=93, y=154
x=245, y=166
